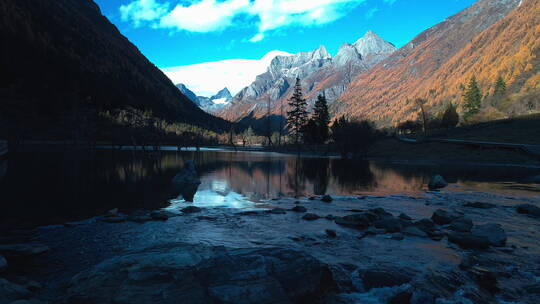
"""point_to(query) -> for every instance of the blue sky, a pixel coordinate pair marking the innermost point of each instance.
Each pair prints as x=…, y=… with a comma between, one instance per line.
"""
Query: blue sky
x=180, y=32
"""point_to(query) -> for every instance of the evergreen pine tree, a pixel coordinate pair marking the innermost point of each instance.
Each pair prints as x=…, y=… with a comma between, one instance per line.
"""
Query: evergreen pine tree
x=297, y=116
x=322, y=118
x=472, y=98
x=500, y=87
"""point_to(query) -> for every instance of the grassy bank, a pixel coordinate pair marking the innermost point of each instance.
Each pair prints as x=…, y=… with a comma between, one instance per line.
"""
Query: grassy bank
x=523, y=130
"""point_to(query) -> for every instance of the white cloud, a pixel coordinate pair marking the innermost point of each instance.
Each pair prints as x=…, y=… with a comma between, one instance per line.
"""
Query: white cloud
x=206, y=79
x=204, y=16
x=214, y=15
x=143, y=10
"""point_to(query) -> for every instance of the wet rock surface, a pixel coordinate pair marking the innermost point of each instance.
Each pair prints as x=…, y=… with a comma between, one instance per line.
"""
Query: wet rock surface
x=204, y=274
x=529, y=209
x=437, y=182
x=360, y=250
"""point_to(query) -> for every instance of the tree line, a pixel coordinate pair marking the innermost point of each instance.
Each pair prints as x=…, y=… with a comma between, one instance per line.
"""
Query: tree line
x=472, y=100
x=350, y=137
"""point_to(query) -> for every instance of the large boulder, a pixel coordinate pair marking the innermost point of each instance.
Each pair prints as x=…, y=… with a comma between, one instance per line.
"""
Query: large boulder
x=186, y=182
x=462, y=224
x=443, y=217
x=360, y=221
x=468, y=240
x=380, y=212
x=437, y=182
x=494, y=233
x=174, y=273
x=389, y=224
x=425, y=225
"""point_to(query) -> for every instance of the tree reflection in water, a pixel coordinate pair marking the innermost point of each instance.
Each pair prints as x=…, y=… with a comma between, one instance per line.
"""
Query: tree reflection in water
x=55, y=186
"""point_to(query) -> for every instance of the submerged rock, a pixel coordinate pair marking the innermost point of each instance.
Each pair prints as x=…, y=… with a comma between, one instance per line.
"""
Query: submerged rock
x=299, y=209
x=278, y=211
x=360, y=221
x=437, y=182
x=331, y=233
x=480, y=205
x=161, y=215
x=528, y=209
x=494, y=233
x=327, y=199
x=178, y=272
x=191, y=209
x=310, y=217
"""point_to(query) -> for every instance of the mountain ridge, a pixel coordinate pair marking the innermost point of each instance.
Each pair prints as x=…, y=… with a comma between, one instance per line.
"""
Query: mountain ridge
x=318, y=71
x=212, y=104
x=82, y=60
x=438, y=62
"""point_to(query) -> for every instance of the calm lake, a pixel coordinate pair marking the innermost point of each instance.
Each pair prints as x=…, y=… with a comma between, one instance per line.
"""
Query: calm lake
x=54, y=187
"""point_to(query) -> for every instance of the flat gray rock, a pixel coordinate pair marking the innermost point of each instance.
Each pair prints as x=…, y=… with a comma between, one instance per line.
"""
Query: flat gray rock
x=197, y=273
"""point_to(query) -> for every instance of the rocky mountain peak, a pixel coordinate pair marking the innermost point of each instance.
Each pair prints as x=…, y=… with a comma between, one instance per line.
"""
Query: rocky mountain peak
x=347, y=53
x=187, y=92
x=321, y=53
x=223, y=94
x=371, y=43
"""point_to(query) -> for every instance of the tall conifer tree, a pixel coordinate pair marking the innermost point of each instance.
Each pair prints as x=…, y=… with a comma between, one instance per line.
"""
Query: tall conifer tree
x=297, y=116
x=322, y=118
x=472, y=98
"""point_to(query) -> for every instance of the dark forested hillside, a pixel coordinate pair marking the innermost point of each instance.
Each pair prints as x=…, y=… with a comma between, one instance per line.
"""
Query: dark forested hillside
x=58, y=57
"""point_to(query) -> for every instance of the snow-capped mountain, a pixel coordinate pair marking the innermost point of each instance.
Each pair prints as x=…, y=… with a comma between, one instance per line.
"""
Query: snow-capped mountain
x=207, y=78
x=212, y=104
x=318, y=71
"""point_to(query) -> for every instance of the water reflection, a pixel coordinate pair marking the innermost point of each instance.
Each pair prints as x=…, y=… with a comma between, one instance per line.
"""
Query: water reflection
x=52, y=187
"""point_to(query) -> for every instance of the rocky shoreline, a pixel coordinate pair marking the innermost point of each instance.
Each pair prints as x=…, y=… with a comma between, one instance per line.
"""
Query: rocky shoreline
x=440, y=247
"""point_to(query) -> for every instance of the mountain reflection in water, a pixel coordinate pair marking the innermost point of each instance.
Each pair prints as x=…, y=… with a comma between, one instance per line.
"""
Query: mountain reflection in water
x=54, y=186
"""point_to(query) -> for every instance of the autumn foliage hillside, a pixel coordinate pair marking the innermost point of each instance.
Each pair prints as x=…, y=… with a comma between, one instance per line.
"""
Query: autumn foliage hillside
x=438, y=64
